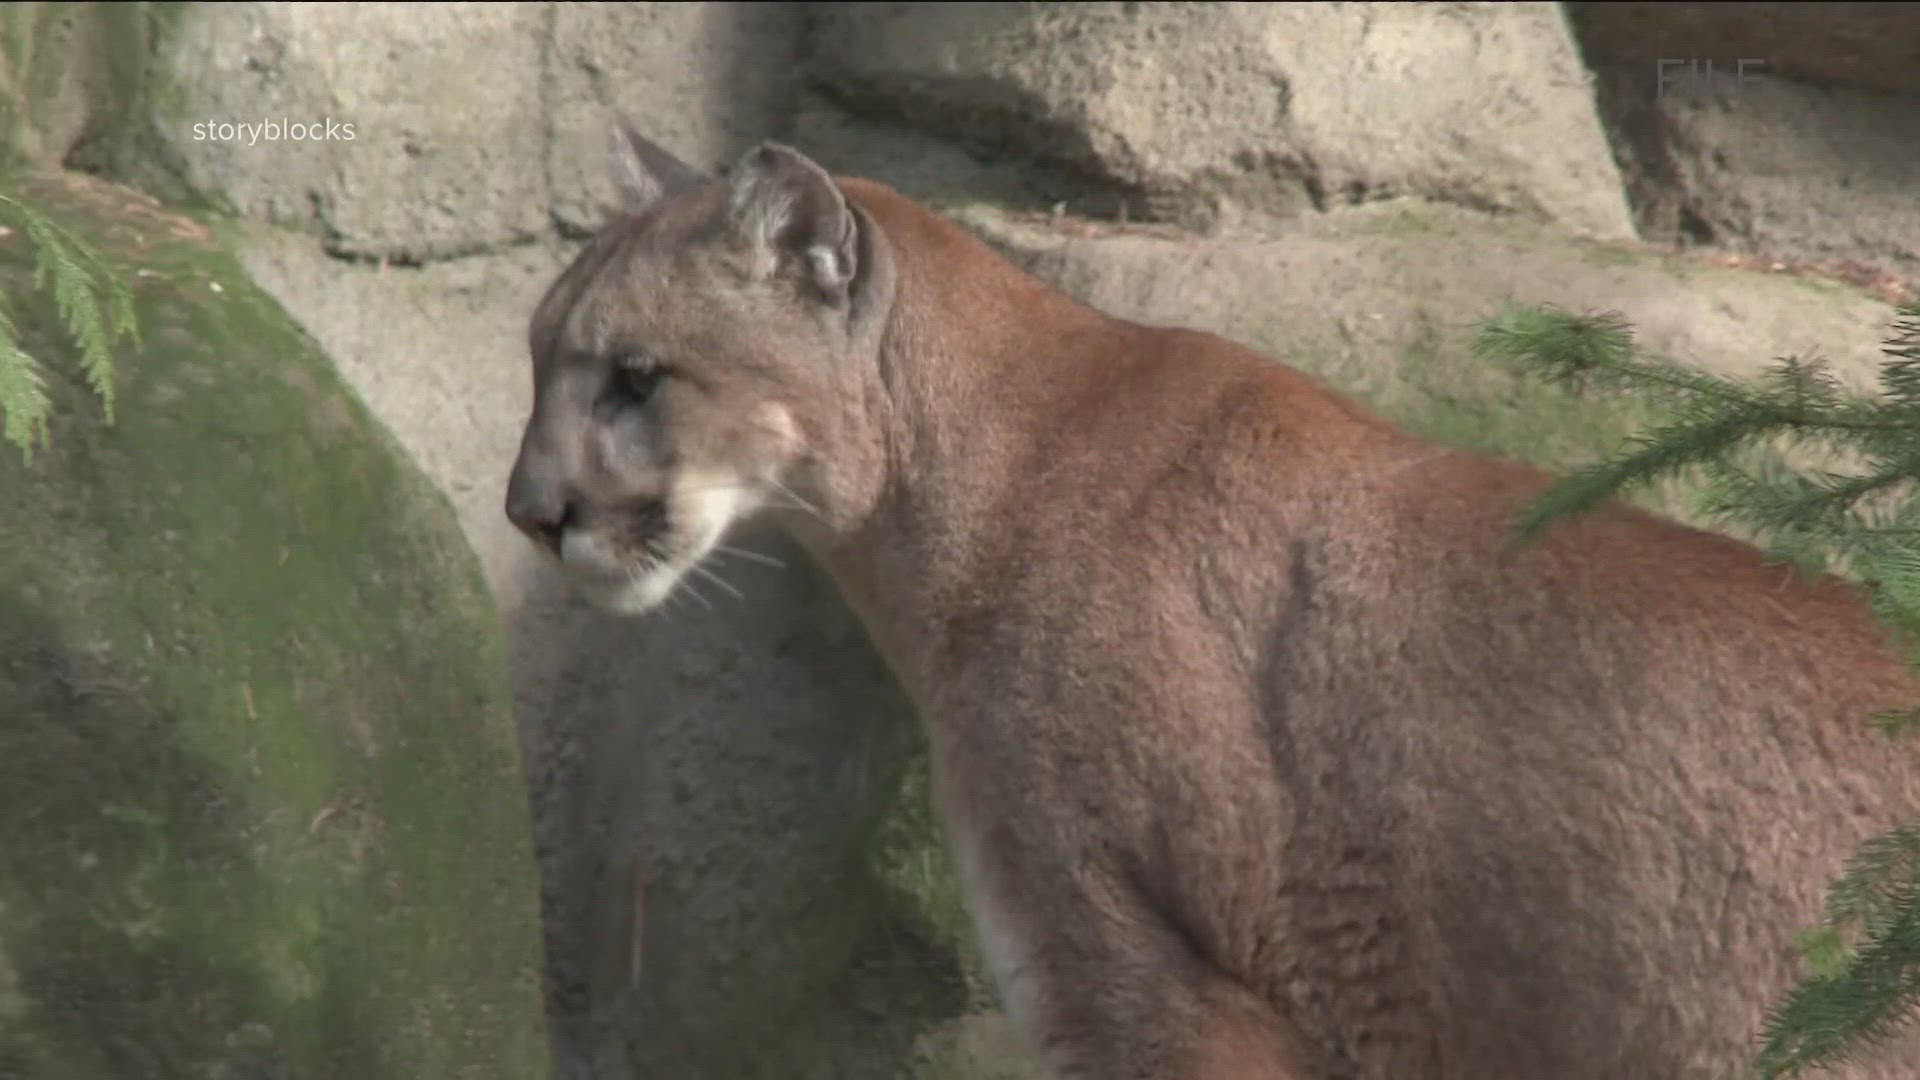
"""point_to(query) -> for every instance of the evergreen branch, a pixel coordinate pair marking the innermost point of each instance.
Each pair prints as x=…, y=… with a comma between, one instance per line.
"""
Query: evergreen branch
x=23, y=395
x=1562, y=344
x=1897, y=723
x=1885, y=869
x=1864, y=982
x=1837, y=1018
x=1798, y=400
x=61, y=260
x=1828, y=505
x=1905, y=341
x=1582, y=350
x=95, y=307
x=1662, y=453
x=1808, y=386
x=1597, y=349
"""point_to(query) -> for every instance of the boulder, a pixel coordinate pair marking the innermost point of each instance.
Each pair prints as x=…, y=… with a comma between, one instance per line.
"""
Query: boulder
x=47, y=75
x=711, y=80
x=1747, y=158
x=1868, y=46
x=1195, y=111
x=394, y=131
x=406, y=156
x=257, y=756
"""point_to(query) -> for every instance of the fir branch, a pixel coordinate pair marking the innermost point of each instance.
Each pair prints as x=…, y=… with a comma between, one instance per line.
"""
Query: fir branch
x=1885, y=869
x=1716, y=417
x=1657, y=455
x=1838, y=1018
x=1774, y=499
x=1564, y=346
x=1588, y=351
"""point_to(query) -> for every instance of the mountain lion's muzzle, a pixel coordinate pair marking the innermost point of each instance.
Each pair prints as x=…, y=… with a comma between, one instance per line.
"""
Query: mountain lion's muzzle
x=538, y=503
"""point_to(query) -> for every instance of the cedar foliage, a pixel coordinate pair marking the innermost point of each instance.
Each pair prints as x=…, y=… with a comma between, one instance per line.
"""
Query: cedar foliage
x=96, y=311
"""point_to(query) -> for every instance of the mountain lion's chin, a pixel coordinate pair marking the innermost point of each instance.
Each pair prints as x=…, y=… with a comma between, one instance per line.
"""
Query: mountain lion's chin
x=634, y=593
x=615, y=585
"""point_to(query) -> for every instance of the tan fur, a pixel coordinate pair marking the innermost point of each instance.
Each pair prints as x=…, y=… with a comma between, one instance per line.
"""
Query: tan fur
x=1261, y=755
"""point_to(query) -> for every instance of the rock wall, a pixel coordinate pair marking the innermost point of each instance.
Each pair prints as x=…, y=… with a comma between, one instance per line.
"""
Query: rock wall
x=1196, y=110
x=739, y=875
x=1777, y=130
x=53, y=65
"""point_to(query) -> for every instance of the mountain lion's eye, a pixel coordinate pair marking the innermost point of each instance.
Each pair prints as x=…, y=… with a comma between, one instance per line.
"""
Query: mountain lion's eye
x=636, y=384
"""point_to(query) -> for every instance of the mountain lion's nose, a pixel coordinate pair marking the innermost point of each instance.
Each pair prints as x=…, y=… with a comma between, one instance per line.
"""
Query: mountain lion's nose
x=539, y=510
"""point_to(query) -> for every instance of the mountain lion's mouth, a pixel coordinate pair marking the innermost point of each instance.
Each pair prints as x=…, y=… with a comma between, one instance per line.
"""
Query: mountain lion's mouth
x=641, y=574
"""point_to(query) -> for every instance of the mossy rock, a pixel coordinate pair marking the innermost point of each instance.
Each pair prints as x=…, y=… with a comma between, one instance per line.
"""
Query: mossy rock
x=264, y=813
x=50, y=66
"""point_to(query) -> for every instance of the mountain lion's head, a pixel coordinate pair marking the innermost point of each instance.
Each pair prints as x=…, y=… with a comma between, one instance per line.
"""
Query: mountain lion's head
x=692, y=366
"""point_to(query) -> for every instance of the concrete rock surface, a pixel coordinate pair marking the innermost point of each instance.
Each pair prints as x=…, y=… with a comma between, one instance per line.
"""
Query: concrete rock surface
x=1202, y=109
x=431, y=118
x=1867, y=46
x=1753, y=161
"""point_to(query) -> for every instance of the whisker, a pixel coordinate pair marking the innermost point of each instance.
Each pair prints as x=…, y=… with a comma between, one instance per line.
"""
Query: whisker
x=793, y=500
x=789, y=493
x=717, y=580
x=750, y=556
x=695, y=593
x=686, y=585
x=790, y=505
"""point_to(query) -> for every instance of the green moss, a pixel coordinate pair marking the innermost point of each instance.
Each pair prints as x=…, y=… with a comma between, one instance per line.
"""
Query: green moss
x=121, y=141
x=135, y=41
x=910, y=857
x=40, y=38
x=264, y=743
x=1610, y=255
x=80, y=85
x=45, y=72
x=1398, y=217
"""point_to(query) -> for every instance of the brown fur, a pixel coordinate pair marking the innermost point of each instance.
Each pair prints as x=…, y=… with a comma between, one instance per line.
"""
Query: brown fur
x=1262, y=756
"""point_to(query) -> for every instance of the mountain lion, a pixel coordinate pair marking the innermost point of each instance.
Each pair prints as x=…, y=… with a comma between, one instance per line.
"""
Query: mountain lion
x=1262, y=756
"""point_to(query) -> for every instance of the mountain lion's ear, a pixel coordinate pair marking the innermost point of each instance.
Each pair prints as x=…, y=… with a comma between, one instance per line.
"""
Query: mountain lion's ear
x=642, y=170
x=793, y=219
